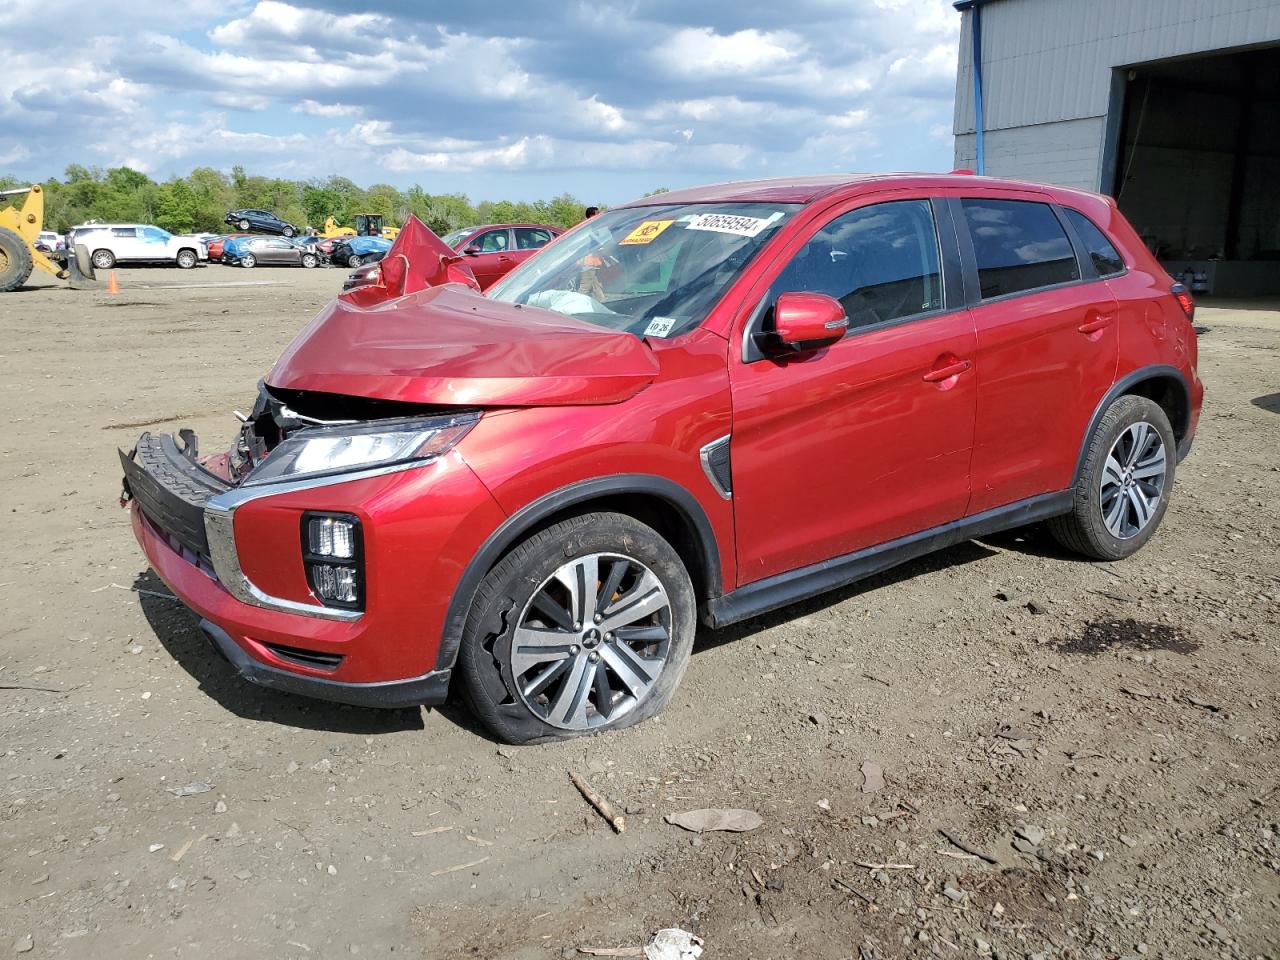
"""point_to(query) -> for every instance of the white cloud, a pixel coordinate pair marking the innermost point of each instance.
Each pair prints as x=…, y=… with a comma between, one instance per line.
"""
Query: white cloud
x=700, y=51
x=317, y=109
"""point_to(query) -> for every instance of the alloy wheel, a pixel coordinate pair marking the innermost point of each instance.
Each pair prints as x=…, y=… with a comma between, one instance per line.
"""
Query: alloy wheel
x=592, y=641
x=1133, y=480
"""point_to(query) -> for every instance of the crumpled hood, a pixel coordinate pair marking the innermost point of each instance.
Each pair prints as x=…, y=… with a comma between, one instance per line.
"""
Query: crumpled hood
x=447, y=345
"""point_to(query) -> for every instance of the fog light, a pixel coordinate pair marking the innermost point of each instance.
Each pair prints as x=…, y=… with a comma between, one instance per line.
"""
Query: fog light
x=337, y=584
x=333, y=555
x=331, y=537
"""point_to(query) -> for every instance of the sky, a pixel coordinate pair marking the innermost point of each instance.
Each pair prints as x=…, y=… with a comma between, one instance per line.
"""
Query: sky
x=604, y=100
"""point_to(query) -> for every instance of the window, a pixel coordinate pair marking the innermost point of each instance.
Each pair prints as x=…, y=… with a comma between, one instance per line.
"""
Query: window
x=495, y=241
x=531, y=238
x=1019, y=246
x=1106, y=260
x=880, y=262
x=124, y=232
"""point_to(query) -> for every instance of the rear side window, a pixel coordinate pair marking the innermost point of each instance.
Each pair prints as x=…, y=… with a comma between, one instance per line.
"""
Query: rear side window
x=530, y=238
x=1106, y=259
x=1019, y=246
x=123, y=232
x=880, y=262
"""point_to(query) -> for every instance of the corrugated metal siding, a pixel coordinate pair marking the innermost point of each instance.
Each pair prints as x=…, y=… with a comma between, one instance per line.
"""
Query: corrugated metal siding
x=1066, y=153
x=1050, y=60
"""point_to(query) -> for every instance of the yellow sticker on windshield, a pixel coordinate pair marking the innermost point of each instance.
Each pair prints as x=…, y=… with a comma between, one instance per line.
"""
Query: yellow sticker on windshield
x=647, y=232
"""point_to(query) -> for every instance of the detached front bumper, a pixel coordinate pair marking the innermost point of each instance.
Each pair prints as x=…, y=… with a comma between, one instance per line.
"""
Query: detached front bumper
x=233, y=555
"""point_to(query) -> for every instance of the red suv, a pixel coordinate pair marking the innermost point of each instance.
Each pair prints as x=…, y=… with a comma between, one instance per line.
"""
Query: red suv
x=702, y=405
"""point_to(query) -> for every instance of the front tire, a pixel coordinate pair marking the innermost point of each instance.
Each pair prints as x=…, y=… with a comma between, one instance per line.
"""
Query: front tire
x=187, y=259
x=248, y=260
x=243, y=225
x=15, y=261
x=1124, y=487
x=309, y=260
x=289, y=231
x=582, y=628
x=354, y=260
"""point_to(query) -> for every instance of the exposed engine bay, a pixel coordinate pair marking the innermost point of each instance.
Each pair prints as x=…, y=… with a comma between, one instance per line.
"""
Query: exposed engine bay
x=279, y=413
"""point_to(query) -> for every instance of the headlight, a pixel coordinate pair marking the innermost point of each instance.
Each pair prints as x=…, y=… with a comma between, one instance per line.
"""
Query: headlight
x=317, y=451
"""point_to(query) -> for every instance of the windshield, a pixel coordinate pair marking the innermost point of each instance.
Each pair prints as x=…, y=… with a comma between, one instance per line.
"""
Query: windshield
x=652, y=271
x=456, y=238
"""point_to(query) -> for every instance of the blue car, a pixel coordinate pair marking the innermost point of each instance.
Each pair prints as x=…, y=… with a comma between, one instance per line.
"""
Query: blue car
x=354, y=251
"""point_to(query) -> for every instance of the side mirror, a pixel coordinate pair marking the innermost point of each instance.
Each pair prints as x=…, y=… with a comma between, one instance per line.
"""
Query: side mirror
x=807, y=321
x=471, y=251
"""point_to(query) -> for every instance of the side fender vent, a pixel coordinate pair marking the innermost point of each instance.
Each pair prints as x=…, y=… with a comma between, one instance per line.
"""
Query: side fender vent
x=716, y=465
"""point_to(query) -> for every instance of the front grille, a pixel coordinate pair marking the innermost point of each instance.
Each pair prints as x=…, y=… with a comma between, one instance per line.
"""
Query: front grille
x=306, y=658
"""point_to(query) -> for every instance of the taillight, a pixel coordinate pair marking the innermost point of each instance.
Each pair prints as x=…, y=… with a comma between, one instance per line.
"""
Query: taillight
x=1185, y=300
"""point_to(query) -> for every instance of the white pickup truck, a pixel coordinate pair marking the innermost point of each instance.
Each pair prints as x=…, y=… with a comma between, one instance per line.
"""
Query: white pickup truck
x=112, y=243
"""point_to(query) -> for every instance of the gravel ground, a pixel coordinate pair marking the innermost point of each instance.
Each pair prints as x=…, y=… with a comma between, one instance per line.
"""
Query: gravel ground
x=1103, y=737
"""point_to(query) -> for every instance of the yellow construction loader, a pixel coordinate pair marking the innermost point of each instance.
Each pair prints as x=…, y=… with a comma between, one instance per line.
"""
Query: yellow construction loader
x=367, y=225
x=19, y=228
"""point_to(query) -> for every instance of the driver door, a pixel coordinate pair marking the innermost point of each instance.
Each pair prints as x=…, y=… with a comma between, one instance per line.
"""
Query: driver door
x=845, y=447
x=494, y=259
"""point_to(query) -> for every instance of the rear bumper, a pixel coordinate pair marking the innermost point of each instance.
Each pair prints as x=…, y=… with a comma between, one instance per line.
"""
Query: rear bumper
x=428, y=690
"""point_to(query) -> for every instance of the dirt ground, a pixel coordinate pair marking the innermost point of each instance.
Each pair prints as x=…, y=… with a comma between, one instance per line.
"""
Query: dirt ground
x=1106, y=737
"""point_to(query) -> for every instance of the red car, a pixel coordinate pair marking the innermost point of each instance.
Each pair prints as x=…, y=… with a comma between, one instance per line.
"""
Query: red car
x=705, y=404
x=215, y=245
x=495, y=249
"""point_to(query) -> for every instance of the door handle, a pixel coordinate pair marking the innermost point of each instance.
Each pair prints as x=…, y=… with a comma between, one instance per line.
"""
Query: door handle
x=1099, y=321
x=955, y=368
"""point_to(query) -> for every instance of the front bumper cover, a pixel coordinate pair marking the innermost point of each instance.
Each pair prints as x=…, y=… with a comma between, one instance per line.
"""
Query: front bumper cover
x=430, y=689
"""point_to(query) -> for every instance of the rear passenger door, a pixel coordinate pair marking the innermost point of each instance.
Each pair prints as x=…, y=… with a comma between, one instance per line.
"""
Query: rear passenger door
x=1047, y=344
x=124, y=243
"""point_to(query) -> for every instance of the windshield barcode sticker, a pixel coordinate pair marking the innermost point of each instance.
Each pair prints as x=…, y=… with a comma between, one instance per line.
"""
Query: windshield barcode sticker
x=659, y=327
x=730, y=223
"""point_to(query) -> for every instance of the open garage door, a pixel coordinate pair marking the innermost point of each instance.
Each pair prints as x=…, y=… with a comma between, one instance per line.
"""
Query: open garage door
x=1198, y=167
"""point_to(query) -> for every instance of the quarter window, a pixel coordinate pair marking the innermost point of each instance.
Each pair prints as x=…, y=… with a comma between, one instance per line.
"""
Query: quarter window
x=1019, y=246
x=1106, y=260
x=880, y=262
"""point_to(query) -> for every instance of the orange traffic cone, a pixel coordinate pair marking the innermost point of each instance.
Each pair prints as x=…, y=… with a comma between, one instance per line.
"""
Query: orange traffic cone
x=113, y=285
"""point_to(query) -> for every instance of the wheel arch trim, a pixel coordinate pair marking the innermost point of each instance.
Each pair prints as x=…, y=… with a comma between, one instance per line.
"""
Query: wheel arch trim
x=1125, y=386
x=513, y=529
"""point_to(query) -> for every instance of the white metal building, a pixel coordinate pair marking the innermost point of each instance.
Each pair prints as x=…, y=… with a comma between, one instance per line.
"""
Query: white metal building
x=1170, y=106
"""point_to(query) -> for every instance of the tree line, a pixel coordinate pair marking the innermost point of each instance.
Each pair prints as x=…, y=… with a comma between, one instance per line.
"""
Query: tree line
x=197, y=202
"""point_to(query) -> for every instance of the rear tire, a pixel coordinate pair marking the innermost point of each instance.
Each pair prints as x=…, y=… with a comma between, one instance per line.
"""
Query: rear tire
x=1124, y=486
x=15, y=261
x=103, y=259
x=583, y=628
x=187, y=259
x=354, y=260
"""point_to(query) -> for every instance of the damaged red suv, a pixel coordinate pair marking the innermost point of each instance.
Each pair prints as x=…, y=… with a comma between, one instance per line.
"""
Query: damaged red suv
x=702, y=405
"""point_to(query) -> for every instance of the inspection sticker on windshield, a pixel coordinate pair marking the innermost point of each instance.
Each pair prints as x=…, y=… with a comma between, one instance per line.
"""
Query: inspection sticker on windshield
x=659, y=327
x=730, y=223
x=647, y=232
